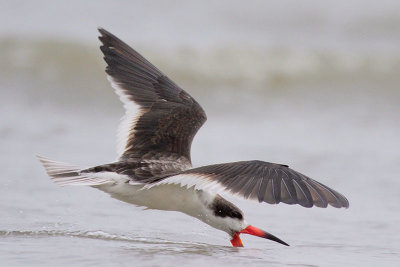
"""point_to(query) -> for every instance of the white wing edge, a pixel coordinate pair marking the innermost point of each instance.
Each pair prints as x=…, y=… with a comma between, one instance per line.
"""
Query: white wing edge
x=132, y=113
x=196, y=181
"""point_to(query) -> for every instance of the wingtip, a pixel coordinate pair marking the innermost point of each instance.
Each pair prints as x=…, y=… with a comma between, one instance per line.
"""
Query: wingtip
x=343, y=201
x=40, y=158
x=104, y=34
x=108, y=39
x=346, y=205
x=101, y=30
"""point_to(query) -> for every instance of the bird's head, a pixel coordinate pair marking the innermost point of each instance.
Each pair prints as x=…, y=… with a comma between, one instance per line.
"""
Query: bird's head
x=231, y=219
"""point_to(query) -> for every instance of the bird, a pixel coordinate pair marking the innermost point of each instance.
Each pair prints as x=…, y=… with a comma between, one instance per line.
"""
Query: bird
x=154, y=168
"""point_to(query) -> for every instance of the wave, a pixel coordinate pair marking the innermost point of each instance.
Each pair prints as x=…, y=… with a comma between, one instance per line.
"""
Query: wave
x=86, y=234
x=47, y=60
x=142, y=245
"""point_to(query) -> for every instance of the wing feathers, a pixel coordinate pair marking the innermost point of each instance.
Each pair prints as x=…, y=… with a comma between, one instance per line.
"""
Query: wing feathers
x=303, y=194
x=269, y=195
x=263, y=186
x=287, y=192
x=318, y=197
x=161, y=119
x=334, y=198
x=276, y=186
x=262, y=181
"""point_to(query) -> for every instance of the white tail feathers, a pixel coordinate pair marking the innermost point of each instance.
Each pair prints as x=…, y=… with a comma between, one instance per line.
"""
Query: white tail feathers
x=66, y=174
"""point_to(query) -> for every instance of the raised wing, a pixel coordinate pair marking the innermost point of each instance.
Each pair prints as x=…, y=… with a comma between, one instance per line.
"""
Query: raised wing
x=258, y=180
x=161, y=119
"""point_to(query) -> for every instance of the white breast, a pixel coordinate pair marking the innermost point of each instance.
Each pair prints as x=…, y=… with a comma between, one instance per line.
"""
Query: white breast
x=163, y=197
x=173, y=197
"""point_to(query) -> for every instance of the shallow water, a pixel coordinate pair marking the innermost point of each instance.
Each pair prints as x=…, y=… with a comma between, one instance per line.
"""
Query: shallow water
x=329, y=111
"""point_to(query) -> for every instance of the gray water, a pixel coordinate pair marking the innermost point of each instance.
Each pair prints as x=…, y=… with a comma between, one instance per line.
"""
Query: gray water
x=315, y=86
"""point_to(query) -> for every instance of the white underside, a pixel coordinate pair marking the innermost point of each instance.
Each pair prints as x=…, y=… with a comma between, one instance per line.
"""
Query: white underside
x=166, y=197
x=172, y=197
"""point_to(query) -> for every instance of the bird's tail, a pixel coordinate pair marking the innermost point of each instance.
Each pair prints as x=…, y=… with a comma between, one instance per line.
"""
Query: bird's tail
x=66, y=174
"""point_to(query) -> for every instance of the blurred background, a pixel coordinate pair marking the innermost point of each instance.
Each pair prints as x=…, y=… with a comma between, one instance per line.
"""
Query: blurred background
x=315, y=85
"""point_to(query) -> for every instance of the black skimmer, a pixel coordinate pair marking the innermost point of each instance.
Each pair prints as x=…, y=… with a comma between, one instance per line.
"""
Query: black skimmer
x=154, y=168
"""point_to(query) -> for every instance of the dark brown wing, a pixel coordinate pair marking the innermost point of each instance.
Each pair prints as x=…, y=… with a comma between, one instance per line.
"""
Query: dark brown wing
x=262, y=181
x=161, y=119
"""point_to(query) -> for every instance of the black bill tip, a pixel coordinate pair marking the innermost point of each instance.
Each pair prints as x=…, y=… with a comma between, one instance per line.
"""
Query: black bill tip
x=251, y=230
x=274, y=238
